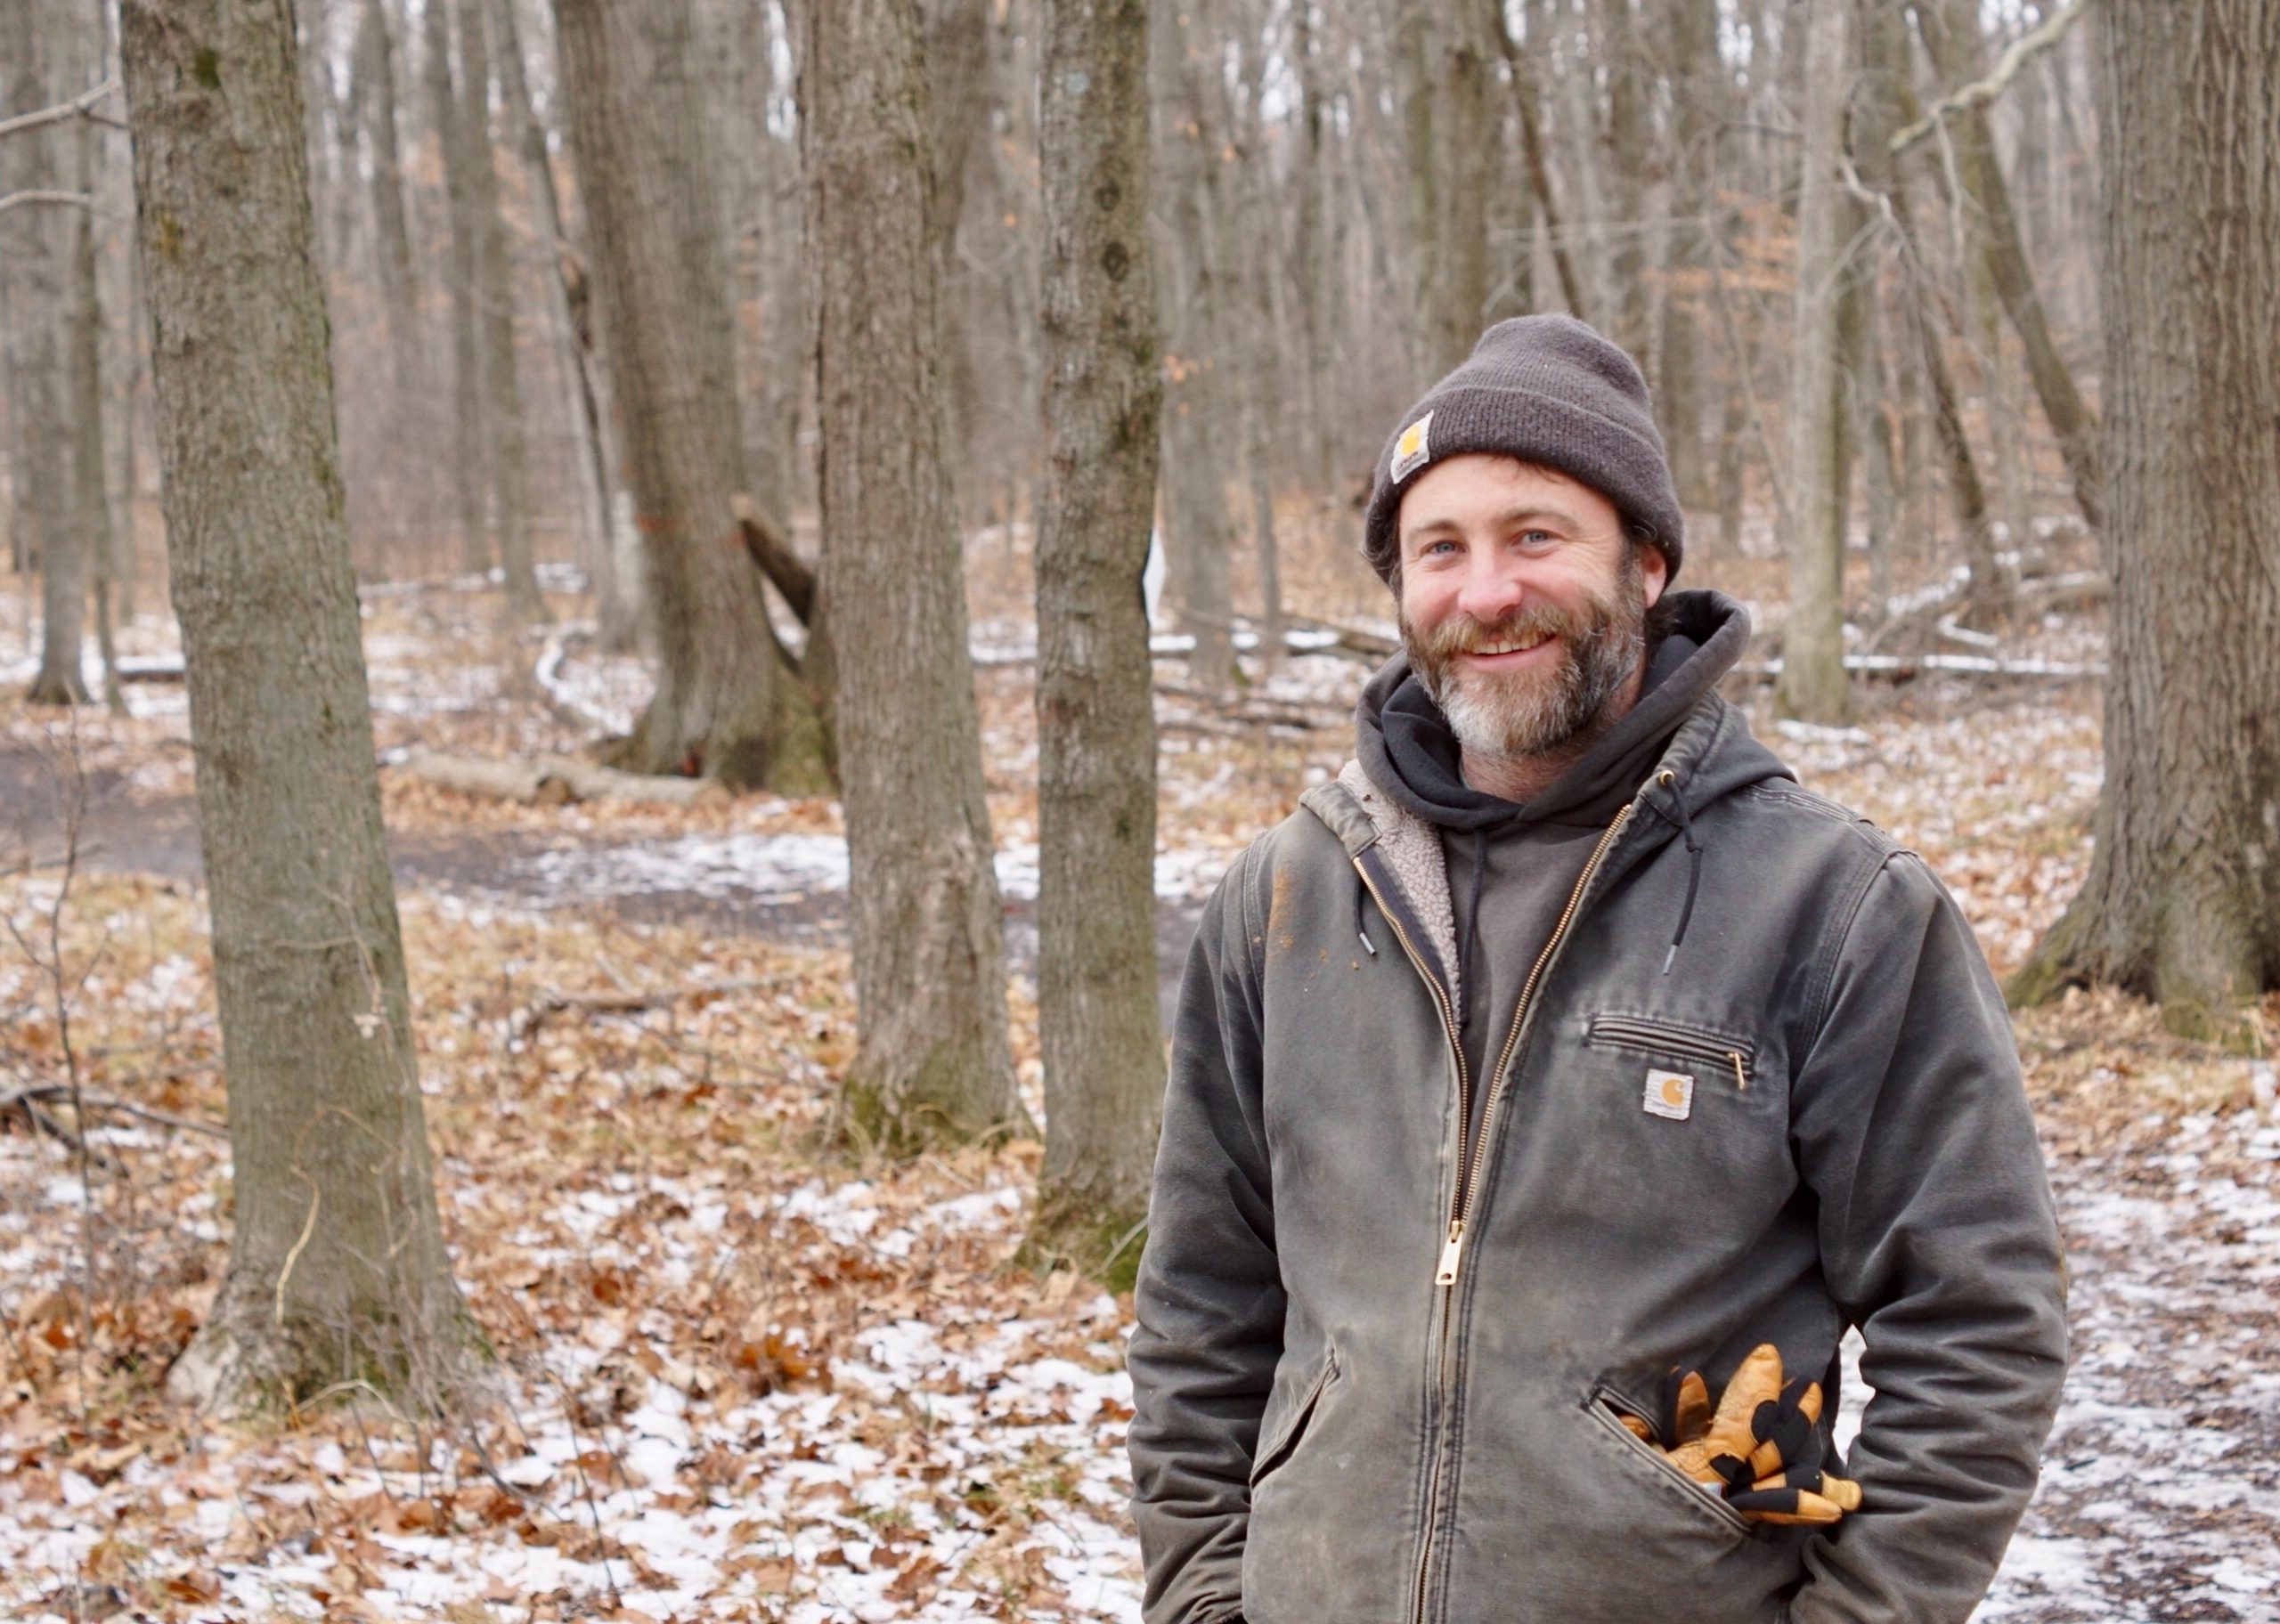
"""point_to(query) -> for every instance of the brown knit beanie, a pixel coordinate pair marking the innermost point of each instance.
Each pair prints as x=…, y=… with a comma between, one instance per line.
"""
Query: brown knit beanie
x=1548, y=390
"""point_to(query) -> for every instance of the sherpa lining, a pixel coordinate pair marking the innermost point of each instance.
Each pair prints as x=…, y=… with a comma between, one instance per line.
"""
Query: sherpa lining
x=1413, y=850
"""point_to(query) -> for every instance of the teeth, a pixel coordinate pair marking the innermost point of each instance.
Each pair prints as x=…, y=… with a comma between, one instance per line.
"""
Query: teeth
x=1511, y=647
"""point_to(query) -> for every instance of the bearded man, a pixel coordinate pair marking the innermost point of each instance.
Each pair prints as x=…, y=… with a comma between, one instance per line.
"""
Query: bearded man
x=1560, y=1065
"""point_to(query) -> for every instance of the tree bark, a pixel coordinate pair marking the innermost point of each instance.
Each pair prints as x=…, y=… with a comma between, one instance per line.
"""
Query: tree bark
x=337, y=1271
x=1696, y=76
x=39, y=250
x=1954, y=33
x=502, y=394
x=727, y=704
x=468, y=469
x=1198, y=534
x=933, y=1060
x=1096, y=736
x=574, y=359
x=2182, y=903
x=392, y=234
x=1813, y=686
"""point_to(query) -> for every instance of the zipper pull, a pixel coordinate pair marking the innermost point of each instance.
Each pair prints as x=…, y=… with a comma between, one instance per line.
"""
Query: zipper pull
x=1453, y=1247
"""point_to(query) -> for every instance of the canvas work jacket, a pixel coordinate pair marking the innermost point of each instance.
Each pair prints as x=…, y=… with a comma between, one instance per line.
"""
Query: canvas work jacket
x=1381, y=1361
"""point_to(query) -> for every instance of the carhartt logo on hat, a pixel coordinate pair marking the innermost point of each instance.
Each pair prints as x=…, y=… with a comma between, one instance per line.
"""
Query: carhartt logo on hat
x=1413, y=450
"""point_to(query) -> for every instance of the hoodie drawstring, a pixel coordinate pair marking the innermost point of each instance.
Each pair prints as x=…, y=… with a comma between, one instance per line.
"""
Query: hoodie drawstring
x=1472, y=910
x=1361, y=928
x=1693, y=866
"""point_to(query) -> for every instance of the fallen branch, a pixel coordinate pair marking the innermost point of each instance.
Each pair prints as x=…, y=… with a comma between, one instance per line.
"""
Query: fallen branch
x=554, y=781
x=628, y=1002
x=23, y=1099
x=1908, y=668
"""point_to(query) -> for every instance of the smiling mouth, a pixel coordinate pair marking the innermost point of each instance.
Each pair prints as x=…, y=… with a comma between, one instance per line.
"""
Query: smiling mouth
x=1511, y=645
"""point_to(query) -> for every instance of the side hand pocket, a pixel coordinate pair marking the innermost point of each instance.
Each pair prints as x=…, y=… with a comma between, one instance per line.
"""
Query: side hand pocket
x=1275, y=1447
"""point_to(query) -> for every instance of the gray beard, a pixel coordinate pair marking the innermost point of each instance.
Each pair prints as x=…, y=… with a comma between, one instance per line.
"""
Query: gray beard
x=1496, y=717
x=1559, y=711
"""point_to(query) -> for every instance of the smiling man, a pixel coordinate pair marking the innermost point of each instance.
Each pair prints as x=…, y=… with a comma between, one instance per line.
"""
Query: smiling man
x=1561, y=1047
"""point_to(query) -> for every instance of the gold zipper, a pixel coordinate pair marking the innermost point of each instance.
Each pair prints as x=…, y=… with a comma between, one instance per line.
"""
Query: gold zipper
x=1441, y=1303
x=1433, y=982
x=1453, y=1252
x=1445, y=1273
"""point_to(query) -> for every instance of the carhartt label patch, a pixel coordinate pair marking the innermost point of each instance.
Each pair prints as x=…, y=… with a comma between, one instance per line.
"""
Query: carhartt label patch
x=1669, y=1093
x=1413, y=450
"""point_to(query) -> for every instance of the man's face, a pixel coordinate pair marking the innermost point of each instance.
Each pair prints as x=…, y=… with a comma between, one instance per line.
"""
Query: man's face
x=1523, y=603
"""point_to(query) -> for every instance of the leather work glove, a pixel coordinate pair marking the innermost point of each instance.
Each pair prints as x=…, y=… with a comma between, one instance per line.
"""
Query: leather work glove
x=1760, y=1448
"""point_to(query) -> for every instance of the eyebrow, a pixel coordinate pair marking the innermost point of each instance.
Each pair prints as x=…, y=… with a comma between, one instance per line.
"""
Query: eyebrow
x=1502, y=521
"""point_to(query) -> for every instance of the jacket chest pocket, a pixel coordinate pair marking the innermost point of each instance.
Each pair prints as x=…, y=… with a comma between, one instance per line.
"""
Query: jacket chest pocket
x=1690, y=1050
x=1694, y=1112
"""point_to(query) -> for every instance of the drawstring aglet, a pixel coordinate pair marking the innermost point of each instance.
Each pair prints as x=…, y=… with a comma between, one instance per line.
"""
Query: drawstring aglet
x=1667, y=957
x=1367, y=945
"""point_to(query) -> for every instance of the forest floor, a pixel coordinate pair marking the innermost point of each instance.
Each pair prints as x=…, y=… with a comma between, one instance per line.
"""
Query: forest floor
x=738, y=1378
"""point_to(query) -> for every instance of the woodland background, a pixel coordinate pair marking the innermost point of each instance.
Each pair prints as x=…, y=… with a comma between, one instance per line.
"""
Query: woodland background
x=506, y=1108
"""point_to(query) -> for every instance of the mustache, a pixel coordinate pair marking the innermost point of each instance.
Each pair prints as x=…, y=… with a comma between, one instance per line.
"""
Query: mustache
x=1463, y=632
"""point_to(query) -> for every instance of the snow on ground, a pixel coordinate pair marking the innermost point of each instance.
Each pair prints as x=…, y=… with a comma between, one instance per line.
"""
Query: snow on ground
x=2160, y=1484
x=777, y=868
x=947, y=1444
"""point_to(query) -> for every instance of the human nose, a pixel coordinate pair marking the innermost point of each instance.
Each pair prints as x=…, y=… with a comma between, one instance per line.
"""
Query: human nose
x=1491, y=591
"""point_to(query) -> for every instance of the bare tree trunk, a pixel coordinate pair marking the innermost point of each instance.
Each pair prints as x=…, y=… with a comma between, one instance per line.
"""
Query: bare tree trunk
x=572, y=357
x=502, y=394
x=2182, y=903
x=1890, y=105
x=1197, y=530
x=392, y=234
x=1097, y=734
x=1954, y=32
x=1696, y=76
x=39, y=245
x=337, y=1271
x=468, y=468
x=1526, y=105
x=1814, y=684
x=934, y=1060
x=1628, y=85
x=728, y=706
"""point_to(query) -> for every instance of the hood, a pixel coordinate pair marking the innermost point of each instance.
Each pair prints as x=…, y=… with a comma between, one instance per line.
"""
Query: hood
x=1404, y=746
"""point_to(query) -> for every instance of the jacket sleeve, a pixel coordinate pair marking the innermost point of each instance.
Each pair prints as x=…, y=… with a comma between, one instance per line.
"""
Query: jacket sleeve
x=1937, y=1238
x=1210, y=1299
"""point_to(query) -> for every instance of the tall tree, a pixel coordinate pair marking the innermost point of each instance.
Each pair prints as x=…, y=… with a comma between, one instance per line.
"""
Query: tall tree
x=1814, y=684
x=337, y=1271
x=933, y=1057
x=2182, y=902
x=729, y=704
x=1192, y=291
x=1097, y=737
x=1952, y=29
x=375, y=71
x=41, y=242
x=502, y=395
x=459, y=155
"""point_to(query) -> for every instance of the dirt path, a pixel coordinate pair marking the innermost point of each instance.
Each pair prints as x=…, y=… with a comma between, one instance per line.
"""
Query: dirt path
x=127, y=831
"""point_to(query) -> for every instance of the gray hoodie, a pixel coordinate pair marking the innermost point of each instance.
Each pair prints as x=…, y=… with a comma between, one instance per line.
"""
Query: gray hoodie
x=1379, y=1378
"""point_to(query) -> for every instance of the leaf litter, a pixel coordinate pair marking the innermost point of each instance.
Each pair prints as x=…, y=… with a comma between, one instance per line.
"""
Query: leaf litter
x=737, y=1377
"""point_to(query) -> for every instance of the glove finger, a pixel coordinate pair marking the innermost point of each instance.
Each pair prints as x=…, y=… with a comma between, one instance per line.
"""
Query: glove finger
x=1754, y=1383
x=1786, y=1507
x=1839, y=1491
x=1784, y=1430
x=1639, y=1429
x=1842, y=1492
x=1686, y=1406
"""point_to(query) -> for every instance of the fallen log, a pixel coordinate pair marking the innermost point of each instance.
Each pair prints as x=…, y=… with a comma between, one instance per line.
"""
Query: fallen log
x=553, y=781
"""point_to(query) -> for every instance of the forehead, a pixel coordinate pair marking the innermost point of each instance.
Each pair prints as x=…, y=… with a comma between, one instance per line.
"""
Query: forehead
x=1478, y=487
